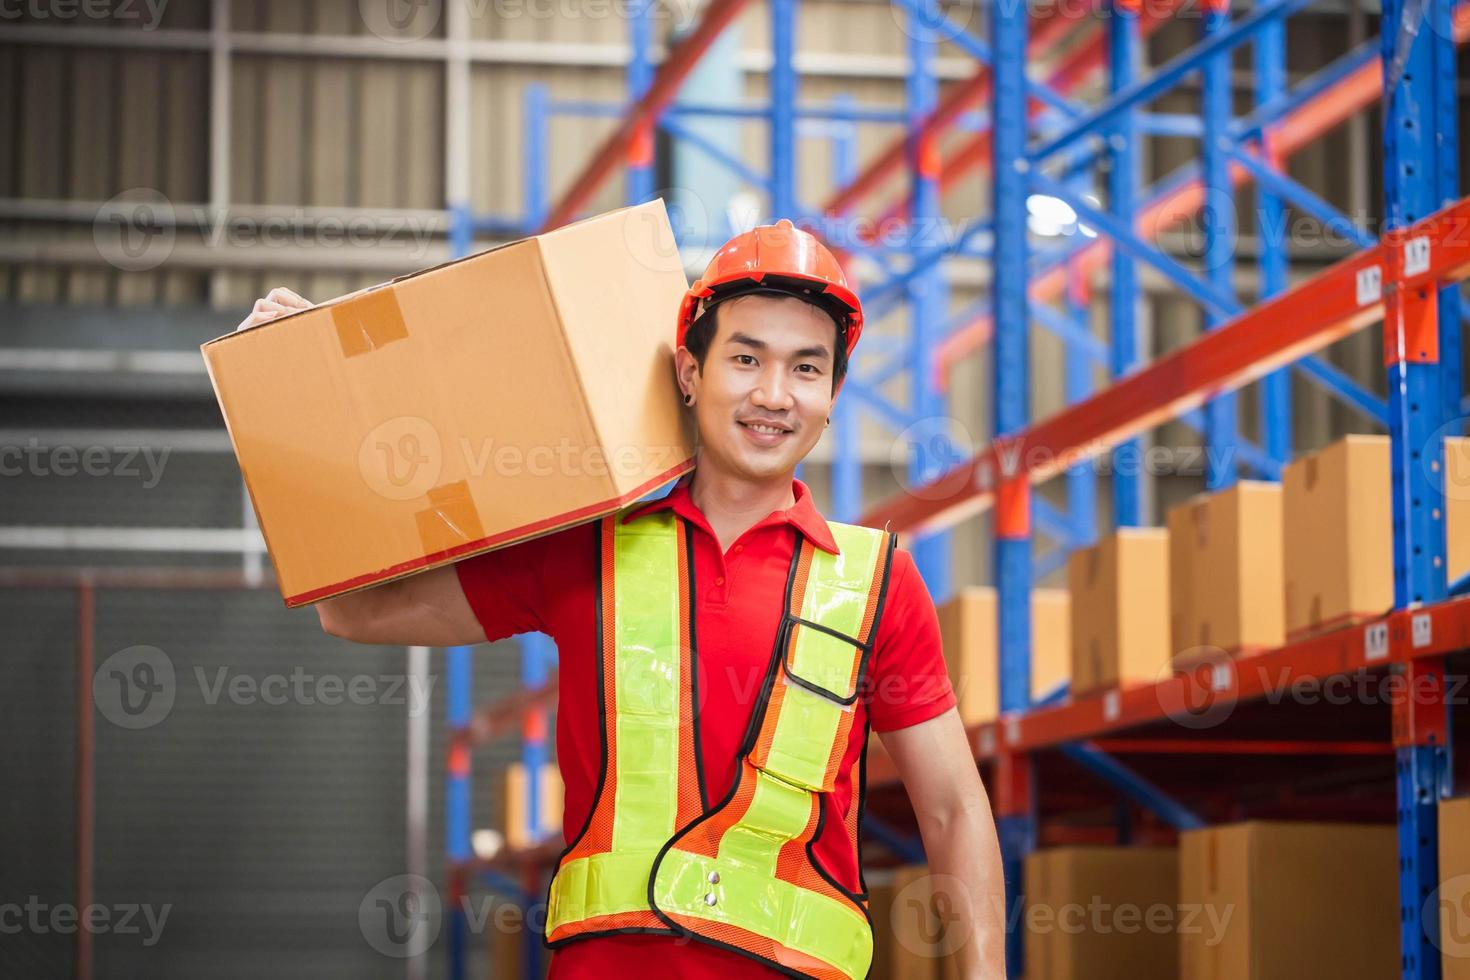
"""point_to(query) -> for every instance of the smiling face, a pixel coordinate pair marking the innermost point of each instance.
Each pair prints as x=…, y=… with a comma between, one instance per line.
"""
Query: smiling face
x=762, y=399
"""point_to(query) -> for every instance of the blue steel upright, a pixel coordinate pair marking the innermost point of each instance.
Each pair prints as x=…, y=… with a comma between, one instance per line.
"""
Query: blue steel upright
x=1221, y=414
x=1269, y=53
x=1123, y=50
x=1421, y=174
x=1010, y=184
x=640, y=168
x=931, y=453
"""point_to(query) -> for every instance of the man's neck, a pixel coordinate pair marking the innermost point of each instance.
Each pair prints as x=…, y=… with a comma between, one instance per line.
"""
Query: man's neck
x=732, y=506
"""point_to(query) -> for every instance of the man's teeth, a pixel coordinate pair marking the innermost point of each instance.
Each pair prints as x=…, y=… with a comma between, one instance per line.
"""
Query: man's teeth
x=765, y=428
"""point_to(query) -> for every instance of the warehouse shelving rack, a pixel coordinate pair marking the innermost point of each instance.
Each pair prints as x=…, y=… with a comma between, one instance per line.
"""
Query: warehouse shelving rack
x=1036, y=139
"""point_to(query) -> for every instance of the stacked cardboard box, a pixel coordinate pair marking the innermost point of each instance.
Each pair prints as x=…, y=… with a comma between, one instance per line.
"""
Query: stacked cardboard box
x=1290, y=901
x=514, y=812
x=1338, y=533
x=1454, y=888
x=463, y=408
x=1101, y=913
x=1225, y=572
x=1120, y=610
x=968, y=624
x=909, y=938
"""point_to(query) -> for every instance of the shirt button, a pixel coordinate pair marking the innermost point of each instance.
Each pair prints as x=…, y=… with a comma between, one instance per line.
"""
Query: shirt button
x=739, y=548
x=720, y=580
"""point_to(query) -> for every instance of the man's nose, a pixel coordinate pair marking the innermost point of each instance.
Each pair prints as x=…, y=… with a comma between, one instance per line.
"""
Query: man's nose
x=773, y=390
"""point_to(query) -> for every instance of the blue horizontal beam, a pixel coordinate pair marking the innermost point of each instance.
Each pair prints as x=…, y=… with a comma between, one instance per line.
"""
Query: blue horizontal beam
x=970, y=44
x=896, y=418
x=1069, y=331
x=1309, y=88
x=1169, y=124
x=1133, y=785
x=1336, y=382
x=1250, y=454
x=1093, y=122
x=1282, y=185
x=1053, y=522
x=1052, y=561
x=911, y=849
x=718, y=154
x=1125, y=238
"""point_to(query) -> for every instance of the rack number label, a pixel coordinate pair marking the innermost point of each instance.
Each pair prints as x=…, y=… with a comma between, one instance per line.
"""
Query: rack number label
x=987, y=741
x=1370, y=285
x=1375, y=642
x=1013, y=730
x=1112, y=706
x=1220, y=677
x=1423, y=630
x=1416, y=255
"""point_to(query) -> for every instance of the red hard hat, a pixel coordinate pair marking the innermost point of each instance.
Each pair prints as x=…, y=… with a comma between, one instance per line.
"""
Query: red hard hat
x=779, y=258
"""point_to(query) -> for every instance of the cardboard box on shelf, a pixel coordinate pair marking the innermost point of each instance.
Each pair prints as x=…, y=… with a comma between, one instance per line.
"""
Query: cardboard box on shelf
x=1120, y=610
x=463, y=408
x=513, y=815
x=909, y=938
x=1454, y=888
x=1225, y=572
x=1337, y=535
x=967, y=626
x=1457, y=506
x=1290, y=901
x=509, y=937
x=1101, y=913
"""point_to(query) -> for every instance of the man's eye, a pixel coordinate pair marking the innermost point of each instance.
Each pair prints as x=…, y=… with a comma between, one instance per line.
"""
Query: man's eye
x=812, y=366
x=747, y=357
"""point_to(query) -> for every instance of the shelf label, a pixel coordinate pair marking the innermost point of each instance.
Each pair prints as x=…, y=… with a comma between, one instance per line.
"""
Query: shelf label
x=1416, y=255
x=1220, y=677
x=987, y=740
x=1375, y=642
x=1370, y=285
x=1112, y=706
x=1013, y=729
x=1423, y=630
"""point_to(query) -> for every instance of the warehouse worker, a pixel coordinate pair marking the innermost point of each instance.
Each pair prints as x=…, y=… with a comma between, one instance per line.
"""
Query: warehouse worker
x=724, y=651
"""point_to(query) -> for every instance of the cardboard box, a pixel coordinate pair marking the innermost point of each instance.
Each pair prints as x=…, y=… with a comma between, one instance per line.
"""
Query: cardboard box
x=513, y=815
x=1225, y=572
x=1120, y=610
x=1304, y=901
x=1101, y=913
x=1338, y=535
x=508, y=939
x=909, y=940
x=1454, y=888
x=463, y=408
x=967, y=626
x=1457, y=506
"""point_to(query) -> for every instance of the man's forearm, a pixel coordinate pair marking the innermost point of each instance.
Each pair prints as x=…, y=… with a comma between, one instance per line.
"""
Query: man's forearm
x=969, y=886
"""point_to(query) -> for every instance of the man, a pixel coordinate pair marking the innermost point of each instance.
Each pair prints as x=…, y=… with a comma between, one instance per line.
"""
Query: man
x=724, y=651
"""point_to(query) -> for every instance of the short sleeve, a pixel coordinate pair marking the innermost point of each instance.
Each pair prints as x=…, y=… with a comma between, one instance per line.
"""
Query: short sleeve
x=504, y=587
x=908, y=682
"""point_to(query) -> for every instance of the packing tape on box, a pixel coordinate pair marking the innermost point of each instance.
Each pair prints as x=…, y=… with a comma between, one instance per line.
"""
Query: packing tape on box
x=368, y=322
x=450, y=519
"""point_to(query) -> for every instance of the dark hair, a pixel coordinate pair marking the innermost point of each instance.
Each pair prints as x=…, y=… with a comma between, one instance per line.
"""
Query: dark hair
x=702, y=333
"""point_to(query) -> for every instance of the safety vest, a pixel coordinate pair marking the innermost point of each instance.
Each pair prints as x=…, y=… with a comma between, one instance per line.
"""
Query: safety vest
x=654, y=856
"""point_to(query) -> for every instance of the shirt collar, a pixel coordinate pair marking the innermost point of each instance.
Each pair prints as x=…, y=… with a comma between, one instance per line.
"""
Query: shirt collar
x=803, y=515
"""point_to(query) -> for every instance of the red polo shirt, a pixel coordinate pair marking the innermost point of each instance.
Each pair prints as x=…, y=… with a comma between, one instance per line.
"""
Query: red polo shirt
x=549, y=585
